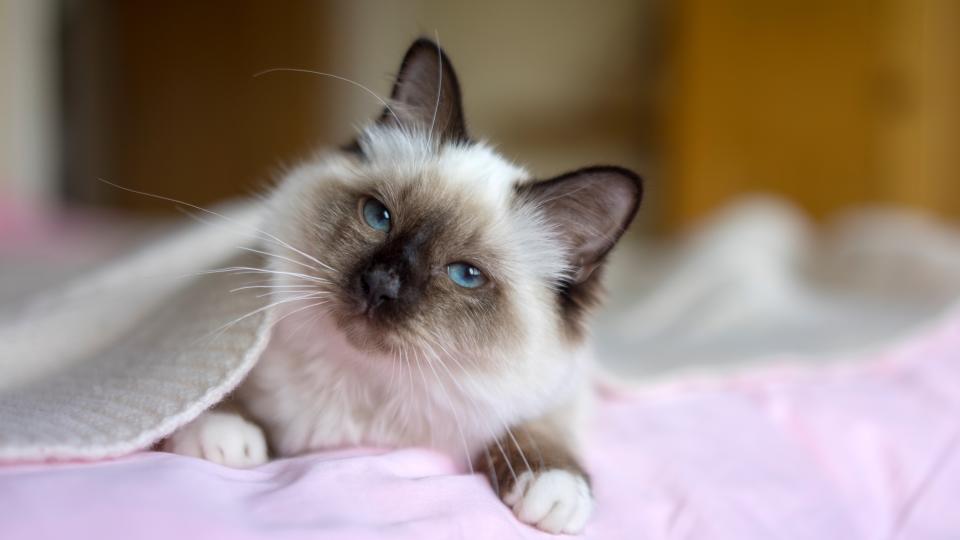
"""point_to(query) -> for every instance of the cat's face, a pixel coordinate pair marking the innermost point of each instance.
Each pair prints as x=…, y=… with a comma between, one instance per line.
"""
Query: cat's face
x=430, y=241
x=427, y=252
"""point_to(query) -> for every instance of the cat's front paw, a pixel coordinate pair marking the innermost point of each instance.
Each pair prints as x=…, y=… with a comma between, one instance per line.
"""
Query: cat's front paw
x=554, y=500
x=221, y=437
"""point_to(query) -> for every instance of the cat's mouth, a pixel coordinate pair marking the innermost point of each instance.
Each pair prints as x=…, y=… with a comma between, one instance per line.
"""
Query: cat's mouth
x=365, y=335
x=369, y=326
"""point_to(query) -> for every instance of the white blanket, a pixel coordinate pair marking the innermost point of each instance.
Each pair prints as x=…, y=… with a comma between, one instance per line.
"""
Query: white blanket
x=760, y=282
x=120, y=358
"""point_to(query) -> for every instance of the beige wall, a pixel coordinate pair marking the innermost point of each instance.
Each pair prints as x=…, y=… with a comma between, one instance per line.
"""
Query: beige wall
x=28, y=150
x=829, y=103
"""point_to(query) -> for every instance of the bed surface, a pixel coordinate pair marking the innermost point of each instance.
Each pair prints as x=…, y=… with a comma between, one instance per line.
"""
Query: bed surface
x=862, y=451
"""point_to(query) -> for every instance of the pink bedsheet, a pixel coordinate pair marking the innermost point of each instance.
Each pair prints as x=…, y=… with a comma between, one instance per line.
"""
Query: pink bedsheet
x=866, y=451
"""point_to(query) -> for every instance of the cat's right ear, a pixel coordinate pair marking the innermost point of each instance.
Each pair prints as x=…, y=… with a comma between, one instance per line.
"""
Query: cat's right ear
x=425, y=96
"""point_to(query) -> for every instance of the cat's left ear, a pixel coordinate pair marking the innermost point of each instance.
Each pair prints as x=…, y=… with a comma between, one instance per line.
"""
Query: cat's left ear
x=589, y=209
x=426, y=94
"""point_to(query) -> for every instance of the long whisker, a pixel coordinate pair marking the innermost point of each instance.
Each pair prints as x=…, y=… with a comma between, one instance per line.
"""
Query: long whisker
x=393, y=370
x=493, y=471
x=319, y=292
x=499, y=418
x=255, y=270
x=453, y=410
x=221, y=216
x=281, y=288
x=281, y=257
x=260, y=310
x=536, y=447
x=211, y=223
x=406, y=359
x=508, y=430
x=430, y=422
x=298, y=310
x=494, y=436
x=513, y=473
x=400, y=382
x=305, y=323
x=404, y=355
x=436, y=107
x=337, y=77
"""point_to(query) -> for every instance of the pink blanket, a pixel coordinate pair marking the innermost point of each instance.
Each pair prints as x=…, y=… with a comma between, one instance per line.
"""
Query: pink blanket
x=866, y=450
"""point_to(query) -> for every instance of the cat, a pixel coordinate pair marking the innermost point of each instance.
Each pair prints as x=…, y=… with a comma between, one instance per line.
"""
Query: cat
x=429, y=292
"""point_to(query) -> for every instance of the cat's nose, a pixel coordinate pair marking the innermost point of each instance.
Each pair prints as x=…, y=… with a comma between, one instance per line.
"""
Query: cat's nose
x=380, y=284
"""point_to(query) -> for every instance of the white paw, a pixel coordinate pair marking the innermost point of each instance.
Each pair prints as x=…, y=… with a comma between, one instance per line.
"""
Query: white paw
x=556, y=501
x=221, y=437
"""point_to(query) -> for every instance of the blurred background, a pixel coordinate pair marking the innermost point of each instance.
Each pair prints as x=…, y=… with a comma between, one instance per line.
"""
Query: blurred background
x=827, y=103
x=846, y=112
x=843, y=114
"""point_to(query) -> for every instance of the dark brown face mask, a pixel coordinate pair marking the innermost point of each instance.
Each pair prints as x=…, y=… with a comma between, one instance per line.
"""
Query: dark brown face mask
x=389, y=284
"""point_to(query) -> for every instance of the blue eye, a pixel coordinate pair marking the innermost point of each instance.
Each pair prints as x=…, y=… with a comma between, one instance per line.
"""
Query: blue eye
x=466, y=275
x=376, y=215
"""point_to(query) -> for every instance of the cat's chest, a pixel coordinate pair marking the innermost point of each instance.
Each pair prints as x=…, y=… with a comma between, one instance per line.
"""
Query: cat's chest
x=326, y=397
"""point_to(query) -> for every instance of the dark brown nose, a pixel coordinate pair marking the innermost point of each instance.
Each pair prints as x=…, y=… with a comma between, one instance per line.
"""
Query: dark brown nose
x=380, y=283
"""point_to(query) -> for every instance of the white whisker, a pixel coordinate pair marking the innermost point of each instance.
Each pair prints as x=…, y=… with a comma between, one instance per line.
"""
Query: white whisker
x=453, y=410
x=337, y=77
x=298, y=310
x=266, y=286
x=254, y=270
x=319, y=292
x=436, y=107
x=281, y=257
x=429, y=409
x=464, y=392
x=393, y=372
x=221, y=216
x=305, y=323
x=493, y=472
x=260, y=310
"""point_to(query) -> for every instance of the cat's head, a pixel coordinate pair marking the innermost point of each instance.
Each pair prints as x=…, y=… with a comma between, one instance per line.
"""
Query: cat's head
x=423, y=238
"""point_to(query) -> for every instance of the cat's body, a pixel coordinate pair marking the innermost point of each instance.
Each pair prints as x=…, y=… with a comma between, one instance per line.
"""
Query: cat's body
x=430, y=293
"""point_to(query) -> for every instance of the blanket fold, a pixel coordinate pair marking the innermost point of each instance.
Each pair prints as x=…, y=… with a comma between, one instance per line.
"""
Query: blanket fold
x=118, y=360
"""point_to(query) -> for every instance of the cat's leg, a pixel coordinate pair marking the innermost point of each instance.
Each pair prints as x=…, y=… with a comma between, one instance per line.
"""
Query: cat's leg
x=221, y=435
x=535, y=473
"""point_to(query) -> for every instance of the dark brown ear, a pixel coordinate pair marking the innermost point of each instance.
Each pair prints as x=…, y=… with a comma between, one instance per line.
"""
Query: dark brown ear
x=426, y=93
x=590, y=209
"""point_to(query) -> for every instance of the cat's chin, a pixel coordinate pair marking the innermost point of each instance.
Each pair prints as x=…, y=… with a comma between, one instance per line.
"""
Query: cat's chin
x=367, y=336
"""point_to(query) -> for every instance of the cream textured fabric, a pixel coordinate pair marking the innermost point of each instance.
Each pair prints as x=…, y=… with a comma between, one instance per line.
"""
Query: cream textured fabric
x=119, y=359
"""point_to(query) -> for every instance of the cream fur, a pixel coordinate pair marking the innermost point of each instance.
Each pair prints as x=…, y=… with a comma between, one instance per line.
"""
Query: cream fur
x=312, y=389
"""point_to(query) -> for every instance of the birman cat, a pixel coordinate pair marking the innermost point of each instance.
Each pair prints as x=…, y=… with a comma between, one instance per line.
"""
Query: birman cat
x=429, y=292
